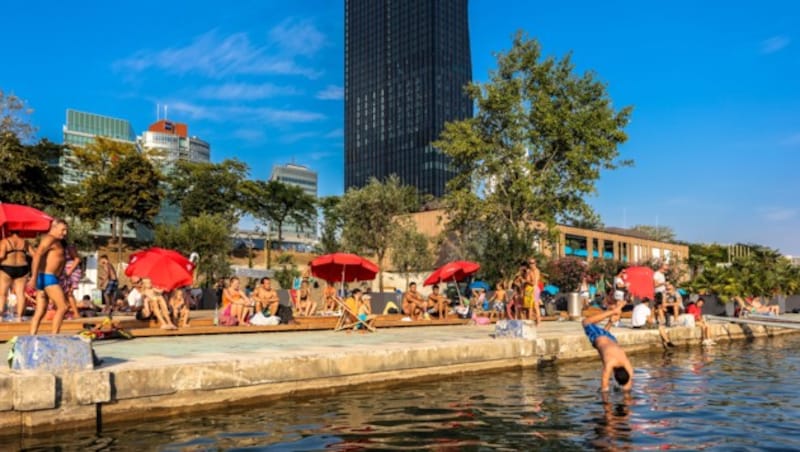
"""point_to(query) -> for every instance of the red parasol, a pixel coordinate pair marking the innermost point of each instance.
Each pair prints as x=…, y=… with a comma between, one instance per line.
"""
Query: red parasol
x=456, y=271
x=166, y=268
x=343, y=267
x=640, y=282
x=16, y=217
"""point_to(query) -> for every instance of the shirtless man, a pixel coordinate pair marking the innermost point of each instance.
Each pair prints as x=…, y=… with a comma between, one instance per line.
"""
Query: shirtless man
x=266, y=297
x=48, y=263
x=613, y=357
x=108, y=282
x=414, y=305
x=532, y=290
x=439, y=301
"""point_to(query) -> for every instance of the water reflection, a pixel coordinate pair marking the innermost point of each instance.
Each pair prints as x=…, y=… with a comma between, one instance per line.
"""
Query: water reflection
x=739, y=396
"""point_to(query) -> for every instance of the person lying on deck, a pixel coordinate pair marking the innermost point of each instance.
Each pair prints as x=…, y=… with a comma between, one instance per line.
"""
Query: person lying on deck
x=615, y=361
x=756, y=307
x=155, y=306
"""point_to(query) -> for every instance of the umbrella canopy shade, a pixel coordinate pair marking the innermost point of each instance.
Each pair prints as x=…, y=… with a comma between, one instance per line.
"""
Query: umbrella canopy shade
x=457, y=271
x=167, y=269
x=640, y=282
x=345, y=267
x=16, y=217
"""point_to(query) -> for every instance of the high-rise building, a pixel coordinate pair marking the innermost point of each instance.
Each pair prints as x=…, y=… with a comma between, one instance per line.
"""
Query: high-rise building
x=167, y=142
x=406, y=65
x=81, y=129
x=294, y=236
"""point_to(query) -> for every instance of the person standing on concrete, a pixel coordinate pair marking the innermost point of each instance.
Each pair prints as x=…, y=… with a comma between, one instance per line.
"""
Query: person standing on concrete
x=615, y=361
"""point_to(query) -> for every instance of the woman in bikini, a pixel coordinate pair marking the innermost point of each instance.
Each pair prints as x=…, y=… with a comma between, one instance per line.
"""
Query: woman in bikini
x=14, y=269
x=241, y=306
x=155, y=306
x=329, y=293
x=307, y=306
x=179, y=309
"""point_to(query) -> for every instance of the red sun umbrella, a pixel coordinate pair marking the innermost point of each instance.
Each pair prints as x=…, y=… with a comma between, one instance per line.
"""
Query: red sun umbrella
x=343, y=267
x=453, y=271
x=640, y=282
x=167, y=269
x=16, y=217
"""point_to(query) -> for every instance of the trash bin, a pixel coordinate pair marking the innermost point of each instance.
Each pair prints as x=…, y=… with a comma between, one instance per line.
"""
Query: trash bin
x=574, y=306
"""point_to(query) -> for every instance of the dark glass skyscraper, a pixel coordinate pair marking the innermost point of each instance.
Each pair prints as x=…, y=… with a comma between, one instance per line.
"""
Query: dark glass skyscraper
x=406, y=63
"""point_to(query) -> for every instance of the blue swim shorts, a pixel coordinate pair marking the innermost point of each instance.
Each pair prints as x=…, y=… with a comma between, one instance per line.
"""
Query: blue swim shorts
x=593, y=332
x=111, y=287
x=46, y=280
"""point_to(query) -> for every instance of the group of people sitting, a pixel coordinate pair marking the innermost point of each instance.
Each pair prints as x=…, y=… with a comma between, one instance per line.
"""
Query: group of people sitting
x=169, y=309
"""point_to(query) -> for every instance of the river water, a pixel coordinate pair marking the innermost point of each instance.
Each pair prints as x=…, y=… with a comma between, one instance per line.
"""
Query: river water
x=735, y=396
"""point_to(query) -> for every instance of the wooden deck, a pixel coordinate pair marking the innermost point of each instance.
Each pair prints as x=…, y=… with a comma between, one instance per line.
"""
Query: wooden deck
x=202, y=322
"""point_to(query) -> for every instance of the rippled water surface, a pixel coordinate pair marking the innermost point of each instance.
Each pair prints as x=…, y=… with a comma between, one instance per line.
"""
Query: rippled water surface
x=732, y=396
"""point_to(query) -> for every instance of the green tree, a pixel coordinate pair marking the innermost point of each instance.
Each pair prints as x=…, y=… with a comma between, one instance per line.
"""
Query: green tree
x=657, y=233
x=539, y=140
x=210, y=188
x=14, y=113
x=121, y=185
x=370, y=214
x=26, y=173
x=276, y=203
x=332, y=221
x=207, y=235
x=411, y=250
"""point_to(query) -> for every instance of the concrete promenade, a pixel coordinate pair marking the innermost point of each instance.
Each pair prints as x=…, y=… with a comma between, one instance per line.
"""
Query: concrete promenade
x=154, y=377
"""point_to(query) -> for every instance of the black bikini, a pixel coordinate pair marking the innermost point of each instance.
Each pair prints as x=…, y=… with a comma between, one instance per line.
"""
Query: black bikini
x=15, y=271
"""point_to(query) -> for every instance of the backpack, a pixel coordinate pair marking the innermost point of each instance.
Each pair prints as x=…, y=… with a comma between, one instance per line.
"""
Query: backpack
x=285, y=313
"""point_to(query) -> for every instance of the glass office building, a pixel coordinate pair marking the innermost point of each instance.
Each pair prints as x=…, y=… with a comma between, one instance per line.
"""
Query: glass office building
x=406, y=64
x=294, y=236
x=81, y=129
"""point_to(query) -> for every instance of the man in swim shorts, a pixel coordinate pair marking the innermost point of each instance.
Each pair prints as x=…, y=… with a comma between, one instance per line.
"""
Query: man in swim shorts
x=48, y=264
x=614, y=359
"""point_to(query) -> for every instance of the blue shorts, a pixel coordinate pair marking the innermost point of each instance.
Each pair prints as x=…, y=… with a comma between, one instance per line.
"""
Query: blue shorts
x=111, y=287
x=593, y=332
x=46, y=280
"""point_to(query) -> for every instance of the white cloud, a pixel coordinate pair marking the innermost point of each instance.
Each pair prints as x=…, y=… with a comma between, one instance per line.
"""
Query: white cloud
x=216, y=56
x=335, y=133
x=776, y=214
x=774, y=44
x=245, y=91
x=298, y=37
x=331, y=92
x=237, y=113
x=295, y=137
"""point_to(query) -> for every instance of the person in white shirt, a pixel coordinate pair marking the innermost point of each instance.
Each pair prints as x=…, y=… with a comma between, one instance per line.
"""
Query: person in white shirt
x=660, y=283
x=642, y=318
x=135, y=299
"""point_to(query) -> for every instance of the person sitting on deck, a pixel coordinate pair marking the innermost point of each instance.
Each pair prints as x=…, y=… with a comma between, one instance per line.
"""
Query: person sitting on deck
x=240, y=305
x=414, y=305
x=696, y=309
x=642, y=317
x=364, y=311
x=179, y=308
x=266, y=298
x=86, y=308
x=438, y=302
x=615, y=361
x=330, y=297
x=306, y=305
x=134, y=298
x=154, y=306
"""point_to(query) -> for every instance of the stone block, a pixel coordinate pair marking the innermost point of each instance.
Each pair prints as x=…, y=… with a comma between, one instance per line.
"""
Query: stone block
x=34, y=391
x=52, y=354
x=145, y=382
x=6, y=392
x=522, y=329
x=91, y=387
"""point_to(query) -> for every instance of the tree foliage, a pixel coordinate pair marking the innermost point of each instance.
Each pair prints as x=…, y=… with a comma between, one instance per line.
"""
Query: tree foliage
x=207, y=188
x=26, y=174
x=369, y=215
x=120, y=184
x=657, y=233
x=539, y=140
x=332, y=221
x=206, y=235
x=276, y=203
x=14, y=113
x=411, y=250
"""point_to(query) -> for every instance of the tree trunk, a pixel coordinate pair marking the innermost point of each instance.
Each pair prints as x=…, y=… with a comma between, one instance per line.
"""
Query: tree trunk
x=280, y=235
x=380, y=272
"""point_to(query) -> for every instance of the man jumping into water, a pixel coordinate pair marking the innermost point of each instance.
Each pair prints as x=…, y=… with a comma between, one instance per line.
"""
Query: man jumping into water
x=614, y=359
x=48, y=263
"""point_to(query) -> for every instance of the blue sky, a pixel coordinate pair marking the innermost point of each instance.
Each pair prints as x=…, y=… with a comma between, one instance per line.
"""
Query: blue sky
x=715, y=132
